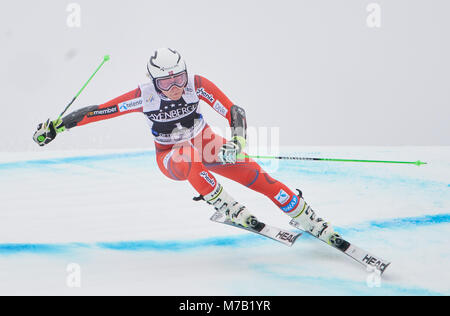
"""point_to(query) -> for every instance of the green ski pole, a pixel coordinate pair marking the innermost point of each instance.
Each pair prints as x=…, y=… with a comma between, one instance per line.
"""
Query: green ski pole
x=105, y=59
x=417, y=163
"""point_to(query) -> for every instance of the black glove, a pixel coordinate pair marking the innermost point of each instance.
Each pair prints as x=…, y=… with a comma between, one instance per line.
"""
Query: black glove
x=47, y=131
x=229, y=151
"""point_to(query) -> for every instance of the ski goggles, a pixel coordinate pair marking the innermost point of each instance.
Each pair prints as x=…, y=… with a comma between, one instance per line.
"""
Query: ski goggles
x=179, y=80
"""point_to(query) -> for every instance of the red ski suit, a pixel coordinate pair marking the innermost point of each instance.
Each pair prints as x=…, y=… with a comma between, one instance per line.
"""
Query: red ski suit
x=195, y=159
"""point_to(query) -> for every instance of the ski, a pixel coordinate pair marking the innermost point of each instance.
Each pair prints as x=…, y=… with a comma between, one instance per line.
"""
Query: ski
x=360, y=255
x=283, y=236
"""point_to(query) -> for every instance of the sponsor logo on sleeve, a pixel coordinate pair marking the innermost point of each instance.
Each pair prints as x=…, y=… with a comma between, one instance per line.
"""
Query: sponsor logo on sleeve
x=105, y=111
x=220, y=108
x=130, y=105
x=292, y=205
x=205, y=176
x=282, y=197
x=206, y=95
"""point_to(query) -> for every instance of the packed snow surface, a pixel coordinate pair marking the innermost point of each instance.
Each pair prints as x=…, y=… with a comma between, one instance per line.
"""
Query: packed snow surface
x=130, y=230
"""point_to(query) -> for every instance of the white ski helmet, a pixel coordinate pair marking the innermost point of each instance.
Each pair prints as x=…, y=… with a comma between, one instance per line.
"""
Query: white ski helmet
x=165, y=63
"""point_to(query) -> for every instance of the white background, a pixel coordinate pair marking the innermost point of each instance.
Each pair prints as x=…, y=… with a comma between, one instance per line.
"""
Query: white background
x=313, y=68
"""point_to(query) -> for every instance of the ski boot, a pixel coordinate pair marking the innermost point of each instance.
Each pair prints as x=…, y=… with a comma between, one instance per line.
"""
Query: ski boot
x=306, y=218
x=235, y=212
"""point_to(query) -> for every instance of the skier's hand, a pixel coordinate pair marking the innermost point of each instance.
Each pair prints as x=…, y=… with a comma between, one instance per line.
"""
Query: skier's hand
x=229, y=151
x=47, y=131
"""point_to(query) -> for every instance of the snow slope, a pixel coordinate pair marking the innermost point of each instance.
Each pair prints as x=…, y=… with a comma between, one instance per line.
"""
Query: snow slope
x=132, y=231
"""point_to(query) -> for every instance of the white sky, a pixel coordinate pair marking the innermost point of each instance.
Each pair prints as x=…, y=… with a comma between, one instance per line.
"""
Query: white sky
x=312, y=68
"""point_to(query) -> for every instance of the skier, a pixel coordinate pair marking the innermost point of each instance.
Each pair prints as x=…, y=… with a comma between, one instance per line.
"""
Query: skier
x=187, y=148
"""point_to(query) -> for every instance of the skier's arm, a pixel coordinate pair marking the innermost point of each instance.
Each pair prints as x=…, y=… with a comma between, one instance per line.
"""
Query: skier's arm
x=110, y=109
x=211, y=94
x=126, y=103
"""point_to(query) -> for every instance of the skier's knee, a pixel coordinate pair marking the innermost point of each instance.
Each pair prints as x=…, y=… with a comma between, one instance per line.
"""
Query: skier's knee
x=176, y=166
x=179, y=170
